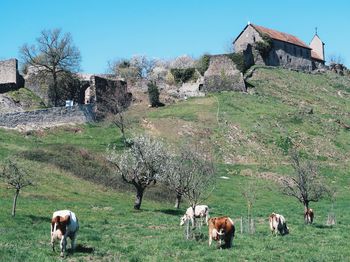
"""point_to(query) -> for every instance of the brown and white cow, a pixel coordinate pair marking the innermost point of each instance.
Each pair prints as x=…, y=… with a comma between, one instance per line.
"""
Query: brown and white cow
x=278, y=224
x=64, y=224
x=309, y=216
x=221, y=229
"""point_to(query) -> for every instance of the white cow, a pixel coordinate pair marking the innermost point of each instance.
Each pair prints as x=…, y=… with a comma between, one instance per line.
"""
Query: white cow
x=200, y=211
x=64, y=224
x=278, y=224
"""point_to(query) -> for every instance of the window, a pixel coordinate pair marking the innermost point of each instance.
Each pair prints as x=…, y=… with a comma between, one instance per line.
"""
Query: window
x=254, y=38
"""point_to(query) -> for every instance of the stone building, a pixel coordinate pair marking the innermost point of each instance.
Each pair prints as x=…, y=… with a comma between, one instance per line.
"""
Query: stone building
x=10, y=79
x=286, y=50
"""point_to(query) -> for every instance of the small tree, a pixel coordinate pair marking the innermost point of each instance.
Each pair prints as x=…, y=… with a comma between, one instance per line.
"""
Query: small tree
x=52, y=55
x=153, y=94
x=250, y=196
x=16, y=178
x=141, y=165
x=305, y=184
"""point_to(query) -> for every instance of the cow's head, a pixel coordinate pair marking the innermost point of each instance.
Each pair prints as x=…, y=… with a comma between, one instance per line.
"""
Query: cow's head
x=183, y=220
x=60, y=223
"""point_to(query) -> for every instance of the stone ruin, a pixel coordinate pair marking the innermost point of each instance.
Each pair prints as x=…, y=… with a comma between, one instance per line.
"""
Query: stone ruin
x=222, y=74
x=10, y=79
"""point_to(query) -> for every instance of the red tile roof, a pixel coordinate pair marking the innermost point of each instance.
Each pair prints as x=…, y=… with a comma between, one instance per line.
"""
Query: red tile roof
x=314, y=55
x=280, y=36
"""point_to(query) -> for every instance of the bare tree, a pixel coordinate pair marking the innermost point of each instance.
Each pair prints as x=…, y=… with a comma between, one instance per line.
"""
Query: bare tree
x=182, y=62
x=335, y=59
x=53, y=54
x=191, y=174
x=250, y=196
x=305, y=184
x=16, y=178
x=143, y=64
x=141, y=165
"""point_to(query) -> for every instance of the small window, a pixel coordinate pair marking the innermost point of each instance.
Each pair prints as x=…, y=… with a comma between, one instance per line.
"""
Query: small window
x=280, y=57
x=254, y=38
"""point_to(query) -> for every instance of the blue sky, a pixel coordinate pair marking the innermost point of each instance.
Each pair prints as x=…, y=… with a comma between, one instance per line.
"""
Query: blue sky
x=104, y=30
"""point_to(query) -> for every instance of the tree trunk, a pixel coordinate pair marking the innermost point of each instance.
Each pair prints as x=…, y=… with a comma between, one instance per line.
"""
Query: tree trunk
x=15, y=202
x=138, y=199
x=178, y=200
x=54, y=75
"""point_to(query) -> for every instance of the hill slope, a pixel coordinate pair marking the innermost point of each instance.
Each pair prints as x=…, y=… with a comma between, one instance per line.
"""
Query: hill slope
x=249, y=134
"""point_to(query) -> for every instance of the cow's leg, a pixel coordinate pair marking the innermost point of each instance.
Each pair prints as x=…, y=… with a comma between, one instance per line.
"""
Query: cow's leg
x=73, y=241
x=63, y=244
x=52, y=242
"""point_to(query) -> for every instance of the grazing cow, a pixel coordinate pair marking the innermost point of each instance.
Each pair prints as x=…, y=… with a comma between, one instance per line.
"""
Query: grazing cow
x=64, y=224
x=221, y=228
x=278, y=223
x=309, y=216
x=200, y=211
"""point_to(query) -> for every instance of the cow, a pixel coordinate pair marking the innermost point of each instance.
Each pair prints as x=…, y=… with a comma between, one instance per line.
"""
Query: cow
x=221, y=229
x=64, y=224
x=200, y=211
x=308, y=216
x=278, y=224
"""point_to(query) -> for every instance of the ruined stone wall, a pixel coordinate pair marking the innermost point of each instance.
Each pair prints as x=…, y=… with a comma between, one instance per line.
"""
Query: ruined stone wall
x=289, y=56
x=222, y=74
x=47, y=117
x=10, y=79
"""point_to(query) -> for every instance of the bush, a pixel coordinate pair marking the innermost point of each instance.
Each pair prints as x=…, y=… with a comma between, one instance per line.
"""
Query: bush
x=183, y=75
x=264, y=46
x=285, y=143
x=203, y=64
x=153, y=94
x=238, y=59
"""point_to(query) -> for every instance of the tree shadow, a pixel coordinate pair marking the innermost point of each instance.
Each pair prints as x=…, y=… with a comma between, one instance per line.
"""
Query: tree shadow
x=321, y=226
x=38, y=219
x=173, y=212
x=81, y=249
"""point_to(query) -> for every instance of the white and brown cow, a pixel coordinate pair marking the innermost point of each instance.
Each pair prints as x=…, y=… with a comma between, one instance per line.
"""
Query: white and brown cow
x=221, y=229
x=308, y=216
x=200, y=211
x=64, y=224
x=278, y=224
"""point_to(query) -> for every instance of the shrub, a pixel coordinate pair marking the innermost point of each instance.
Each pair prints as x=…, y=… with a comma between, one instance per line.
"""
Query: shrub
x=285, y=143
x=153, y=94
x=238, y=59
x=264, y=46
x=203, y=64
x=182, y=75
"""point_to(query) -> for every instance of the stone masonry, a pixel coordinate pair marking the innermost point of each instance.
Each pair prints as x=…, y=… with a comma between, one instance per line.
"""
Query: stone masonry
x=222, y=74
x=10, y=79
x=55, y=116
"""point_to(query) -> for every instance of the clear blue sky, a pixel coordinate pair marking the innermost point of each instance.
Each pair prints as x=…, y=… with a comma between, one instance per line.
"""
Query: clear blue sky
x=107, y=29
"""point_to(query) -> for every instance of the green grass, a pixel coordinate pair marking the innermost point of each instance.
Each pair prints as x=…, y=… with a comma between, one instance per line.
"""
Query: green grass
x=246, y=134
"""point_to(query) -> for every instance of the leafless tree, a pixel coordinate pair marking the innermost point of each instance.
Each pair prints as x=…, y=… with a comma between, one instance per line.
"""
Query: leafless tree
x=190, y=174
x=143, y=64
x=335, y=59
x=141, y=165
x=54, y=53
x=182, y=62
x=250, y=196
x=15, y=178
x=305, y=184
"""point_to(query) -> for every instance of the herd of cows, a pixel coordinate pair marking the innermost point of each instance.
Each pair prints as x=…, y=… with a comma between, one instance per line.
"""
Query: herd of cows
x=64, y=225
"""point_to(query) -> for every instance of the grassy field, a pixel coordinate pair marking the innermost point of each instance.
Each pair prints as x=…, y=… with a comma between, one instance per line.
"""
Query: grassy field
x=247, y=133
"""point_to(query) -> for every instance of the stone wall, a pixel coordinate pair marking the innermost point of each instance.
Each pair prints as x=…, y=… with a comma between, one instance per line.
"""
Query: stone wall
x=47, y=117
x=222, y=74
x=10, y=79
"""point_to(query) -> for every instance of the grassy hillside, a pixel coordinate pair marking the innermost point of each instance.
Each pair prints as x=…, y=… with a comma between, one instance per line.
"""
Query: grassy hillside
x=250, y=135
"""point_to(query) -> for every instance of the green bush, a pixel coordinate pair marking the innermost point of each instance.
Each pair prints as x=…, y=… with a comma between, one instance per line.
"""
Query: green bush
x=238, y=59
x=153, y=94
x=264, y=46
x=285, y=143
x=203, y=64
x=182, y=75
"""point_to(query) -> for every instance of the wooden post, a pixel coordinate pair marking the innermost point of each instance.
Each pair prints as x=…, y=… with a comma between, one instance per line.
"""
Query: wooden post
x=241, y=225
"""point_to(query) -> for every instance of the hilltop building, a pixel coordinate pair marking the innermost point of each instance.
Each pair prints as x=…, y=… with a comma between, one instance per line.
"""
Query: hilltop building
x=285, y=50
x=10, y=79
